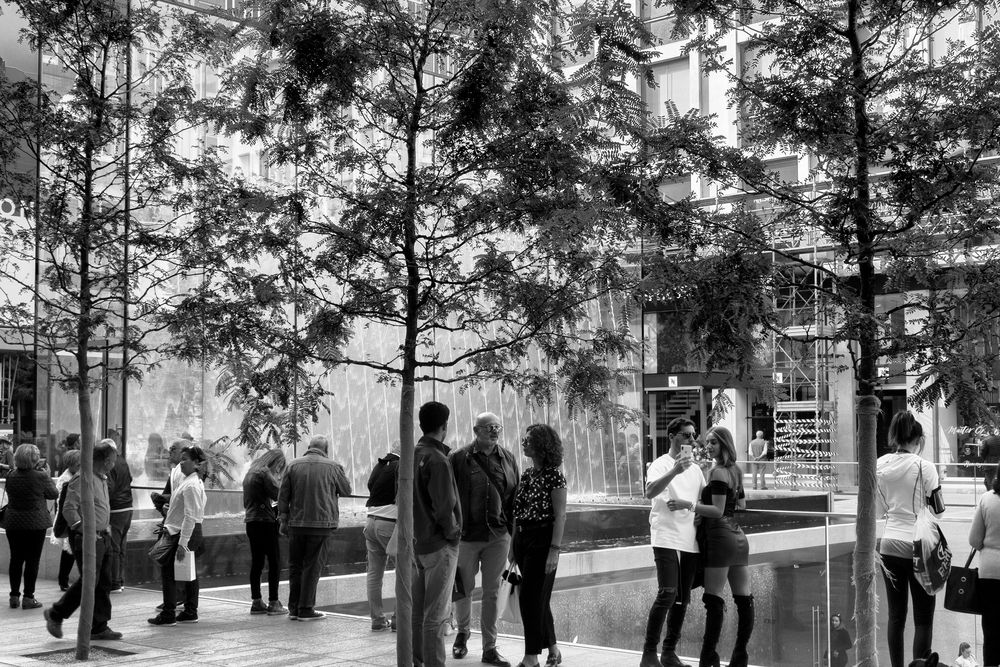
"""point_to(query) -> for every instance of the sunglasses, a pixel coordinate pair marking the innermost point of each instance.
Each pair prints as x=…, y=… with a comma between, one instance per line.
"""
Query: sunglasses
x=492, y=428
x=688, y=436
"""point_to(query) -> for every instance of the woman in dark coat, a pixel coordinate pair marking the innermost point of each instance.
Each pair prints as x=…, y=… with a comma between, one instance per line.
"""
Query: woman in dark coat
x=29, y=486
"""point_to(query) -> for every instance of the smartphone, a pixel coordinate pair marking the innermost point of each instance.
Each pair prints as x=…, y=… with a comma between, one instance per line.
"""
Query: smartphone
x=42, y=462
x=685, y=450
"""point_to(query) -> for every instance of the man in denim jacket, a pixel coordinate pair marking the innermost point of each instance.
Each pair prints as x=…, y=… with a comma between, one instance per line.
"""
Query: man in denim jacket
x=308, y=513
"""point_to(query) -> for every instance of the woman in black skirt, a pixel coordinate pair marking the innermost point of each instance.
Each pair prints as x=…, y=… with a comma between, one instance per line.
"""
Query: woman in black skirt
x=726, y=554
x=539, y=520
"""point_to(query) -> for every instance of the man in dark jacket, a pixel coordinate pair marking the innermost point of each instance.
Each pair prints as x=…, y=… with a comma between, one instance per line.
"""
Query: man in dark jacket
x=378, y=531
x=437, y=527
x=487, y=476
x=991, y=454
x=309, y=512
x=120, y=498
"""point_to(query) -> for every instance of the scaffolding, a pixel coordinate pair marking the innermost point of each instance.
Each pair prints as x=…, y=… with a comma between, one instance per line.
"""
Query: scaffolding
x=805, y=410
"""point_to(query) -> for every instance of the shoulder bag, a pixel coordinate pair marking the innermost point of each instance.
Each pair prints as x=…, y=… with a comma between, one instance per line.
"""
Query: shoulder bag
x=3, y=509
x=931, y=555
x=961, y=593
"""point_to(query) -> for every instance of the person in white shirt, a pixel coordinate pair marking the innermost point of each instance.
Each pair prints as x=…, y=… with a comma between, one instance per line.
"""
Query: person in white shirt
x=758, y=459
x=185, y=514
x=669, y=478
x=905, y=482
x=965, y=657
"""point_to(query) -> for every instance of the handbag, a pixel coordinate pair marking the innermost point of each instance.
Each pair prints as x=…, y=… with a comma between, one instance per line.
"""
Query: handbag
x=961, y=593
x=508, y=597
x=931, y=555
x=164, y=548
x=185, y=570
x=3, y=510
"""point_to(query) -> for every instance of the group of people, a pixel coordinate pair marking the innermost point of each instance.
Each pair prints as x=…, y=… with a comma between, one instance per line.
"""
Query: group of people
x=30, y=488
x=907, y=483
x=474, y=510
x=693, y=529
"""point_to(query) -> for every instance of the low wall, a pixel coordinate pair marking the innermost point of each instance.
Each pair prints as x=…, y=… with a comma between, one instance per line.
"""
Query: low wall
x=589, y=528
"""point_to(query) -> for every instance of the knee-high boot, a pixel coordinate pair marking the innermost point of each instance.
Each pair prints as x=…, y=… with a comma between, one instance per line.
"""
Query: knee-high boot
x=715, y=611
x=675, y=621
x=744, y=628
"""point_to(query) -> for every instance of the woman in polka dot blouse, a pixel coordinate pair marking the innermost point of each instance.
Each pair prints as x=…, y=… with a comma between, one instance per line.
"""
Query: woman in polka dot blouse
x=539, y=519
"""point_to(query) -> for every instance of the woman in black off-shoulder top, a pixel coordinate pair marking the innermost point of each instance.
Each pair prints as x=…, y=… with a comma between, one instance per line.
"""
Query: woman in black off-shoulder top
x=726, y=554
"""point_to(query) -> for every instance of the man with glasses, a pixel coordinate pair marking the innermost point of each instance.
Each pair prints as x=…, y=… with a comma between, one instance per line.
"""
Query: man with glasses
x=672, y=536
x=487, y=476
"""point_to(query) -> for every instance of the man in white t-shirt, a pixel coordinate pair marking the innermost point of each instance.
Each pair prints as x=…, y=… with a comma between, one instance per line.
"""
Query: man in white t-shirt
x=672, y=536
x=758, y=456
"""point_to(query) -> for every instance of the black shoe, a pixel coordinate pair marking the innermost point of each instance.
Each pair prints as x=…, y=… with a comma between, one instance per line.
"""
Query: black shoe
x=162, y=621
x=649, y=659
x=52, y=624
x=493, y=657
x=669, y=659
x=187, y=617
x=107, y=634
x=459, y=649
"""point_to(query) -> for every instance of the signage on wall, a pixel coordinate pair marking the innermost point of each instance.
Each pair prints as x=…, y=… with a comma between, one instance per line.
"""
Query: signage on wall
x=883, y=371
x=779, y=378
x=10, y=208
x=672, y=381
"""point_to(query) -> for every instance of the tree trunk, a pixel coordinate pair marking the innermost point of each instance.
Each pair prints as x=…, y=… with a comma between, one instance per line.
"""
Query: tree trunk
x=89, y=575
x=404, y=530
x=865, y=568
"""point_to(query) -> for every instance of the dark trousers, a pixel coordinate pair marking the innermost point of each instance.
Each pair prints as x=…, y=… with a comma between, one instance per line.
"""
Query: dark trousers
x=263, y=537
x=169, y=584
x=902, y=578
x=989, y=592
x=70, y=601
x=66, y=562
x=25, y=554
x=306, y=560
x=675, y=572
x=531, y=550
x=120, y=523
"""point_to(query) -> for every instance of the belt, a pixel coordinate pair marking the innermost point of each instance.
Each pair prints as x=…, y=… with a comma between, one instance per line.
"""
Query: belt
x=381, y=518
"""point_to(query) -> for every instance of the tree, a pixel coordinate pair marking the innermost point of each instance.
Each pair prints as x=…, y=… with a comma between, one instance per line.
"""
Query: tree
x=117, y=211
x=898, y=121
x=440, y=177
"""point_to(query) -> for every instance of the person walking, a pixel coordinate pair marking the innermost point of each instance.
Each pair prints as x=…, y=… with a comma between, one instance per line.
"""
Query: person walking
x=437, y=528
x=905, y=483
x=378, y=531
x=984, y=535
x=183, y=524
x=28, y=488
x=672, y=537
x=758, y=456
x=260, y=498
x=71, y=459
x=308, y=513
x=104, y=461
x=539, y=525
x=487, y=476
x=120, y=498
x=727, y=552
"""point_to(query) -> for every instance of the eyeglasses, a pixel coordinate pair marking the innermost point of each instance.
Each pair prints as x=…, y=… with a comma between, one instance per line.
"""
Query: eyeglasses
x=688, y=436
x=492, y=428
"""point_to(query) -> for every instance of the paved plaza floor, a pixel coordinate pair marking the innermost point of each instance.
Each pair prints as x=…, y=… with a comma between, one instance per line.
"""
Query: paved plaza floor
x=228, y=635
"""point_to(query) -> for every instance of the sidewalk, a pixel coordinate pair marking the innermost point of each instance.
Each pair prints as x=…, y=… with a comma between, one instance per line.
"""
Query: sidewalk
x=228, y=635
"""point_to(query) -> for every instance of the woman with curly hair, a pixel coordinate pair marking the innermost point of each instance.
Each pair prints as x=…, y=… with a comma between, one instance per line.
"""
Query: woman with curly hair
x=727, y=553
x=539, y=520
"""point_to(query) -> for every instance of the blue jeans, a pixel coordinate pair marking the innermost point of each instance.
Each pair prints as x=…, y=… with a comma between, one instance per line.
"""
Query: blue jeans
x=377, y=534
x=492, y=555
x=70, y=601
x=433, y=581
x=120, y=523
x=675, y=572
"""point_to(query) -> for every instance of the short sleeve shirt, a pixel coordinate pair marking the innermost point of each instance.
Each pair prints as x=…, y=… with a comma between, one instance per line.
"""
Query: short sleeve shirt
x=533, y=501
x=670, y=529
